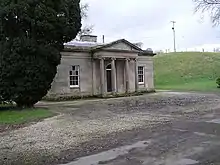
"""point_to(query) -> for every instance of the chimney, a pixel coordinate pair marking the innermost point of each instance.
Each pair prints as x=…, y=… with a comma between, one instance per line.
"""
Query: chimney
x=103, y=39
x=88, y=38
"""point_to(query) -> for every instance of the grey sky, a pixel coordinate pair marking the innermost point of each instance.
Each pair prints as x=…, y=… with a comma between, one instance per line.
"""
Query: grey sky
x=148, y=21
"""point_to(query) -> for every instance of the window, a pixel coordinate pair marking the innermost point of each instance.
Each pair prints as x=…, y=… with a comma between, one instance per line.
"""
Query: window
x=74, y=76
x=140, y=75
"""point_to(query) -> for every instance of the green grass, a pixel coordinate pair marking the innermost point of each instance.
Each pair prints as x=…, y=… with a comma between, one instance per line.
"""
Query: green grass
x=13, y=116
x=187, y=71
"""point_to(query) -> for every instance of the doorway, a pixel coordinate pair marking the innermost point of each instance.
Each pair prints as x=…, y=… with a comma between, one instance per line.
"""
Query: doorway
x=109, y=78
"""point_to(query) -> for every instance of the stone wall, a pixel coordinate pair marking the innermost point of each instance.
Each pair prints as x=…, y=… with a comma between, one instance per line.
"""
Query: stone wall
x=147, y=62
x=61, y=84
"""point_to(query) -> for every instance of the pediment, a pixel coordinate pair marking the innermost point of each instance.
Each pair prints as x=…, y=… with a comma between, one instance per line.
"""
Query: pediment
x=120, y=45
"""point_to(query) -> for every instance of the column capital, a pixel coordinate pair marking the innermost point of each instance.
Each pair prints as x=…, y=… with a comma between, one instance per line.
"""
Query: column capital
x=127, y=59
x=113, y=58
x=101, y=58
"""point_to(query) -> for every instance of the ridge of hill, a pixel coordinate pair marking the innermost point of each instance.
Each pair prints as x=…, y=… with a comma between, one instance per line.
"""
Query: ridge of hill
x=187, y=71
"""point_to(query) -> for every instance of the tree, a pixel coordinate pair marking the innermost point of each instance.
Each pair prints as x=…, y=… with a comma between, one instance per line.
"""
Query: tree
x=32, y=34
x=212, y=6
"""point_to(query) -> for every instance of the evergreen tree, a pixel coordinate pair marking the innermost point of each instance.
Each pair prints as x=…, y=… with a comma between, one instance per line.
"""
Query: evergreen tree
x=32, y=34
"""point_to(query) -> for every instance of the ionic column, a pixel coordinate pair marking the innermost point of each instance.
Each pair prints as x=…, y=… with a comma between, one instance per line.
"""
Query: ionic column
x=113, y=74
x=127, y=75
x=102, y=76
x=136, y=75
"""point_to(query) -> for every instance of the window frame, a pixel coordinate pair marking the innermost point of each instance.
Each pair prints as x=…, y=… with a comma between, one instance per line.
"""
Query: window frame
x=141, y=83
x=74, y=75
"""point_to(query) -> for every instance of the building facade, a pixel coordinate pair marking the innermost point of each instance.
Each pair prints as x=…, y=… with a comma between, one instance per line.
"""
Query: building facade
x=88, y=69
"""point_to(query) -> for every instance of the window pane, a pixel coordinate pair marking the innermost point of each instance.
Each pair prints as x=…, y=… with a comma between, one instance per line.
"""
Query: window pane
x=77, y=73
x=71, y=78
x=140, y=70
x=140, y=73
x=140, y=78
x=73, y=68
x=71, y=82
x=75, y=83
x=71, y=73
x=75, y=78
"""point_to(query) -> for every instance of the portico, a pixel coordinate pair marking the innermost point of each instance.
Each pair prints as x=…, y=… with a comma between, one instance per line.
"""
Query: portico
x=108, y=67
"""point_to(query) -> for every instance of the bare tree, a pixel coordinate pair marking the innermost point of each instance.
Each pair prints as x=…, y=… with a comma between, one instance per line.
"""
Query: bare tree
x=84, y=10
x=211, y=6
x=87, y=29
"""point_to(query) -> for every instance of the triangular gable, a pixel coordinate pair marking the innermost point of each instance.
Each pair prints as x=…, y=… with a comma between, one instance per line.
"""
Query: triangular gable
x=121, y=44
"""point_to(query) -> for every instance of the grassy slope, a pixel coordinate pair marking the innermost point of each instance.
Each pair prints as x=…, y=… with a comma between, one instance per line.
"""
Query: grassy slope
x=187, y=71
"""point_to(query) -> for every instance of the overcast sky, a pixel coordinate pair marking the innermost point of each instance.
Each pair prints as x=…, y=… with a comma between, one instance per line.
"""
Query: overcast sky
x=148, y=21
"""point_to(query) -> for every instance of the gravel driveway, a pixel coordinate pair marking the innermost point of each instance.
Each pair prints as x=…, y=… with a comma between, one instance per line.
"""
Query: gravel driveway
x=143, y=130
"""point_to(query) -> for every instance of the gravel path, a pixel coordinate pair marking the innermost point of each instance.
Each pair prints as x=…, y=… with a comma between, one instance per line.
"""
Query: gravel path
x=82, y=125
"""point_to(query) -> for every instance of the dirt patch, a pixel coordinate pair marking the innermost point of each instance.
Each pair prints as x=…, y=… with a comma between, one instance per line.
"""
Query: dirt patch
x=11, y=127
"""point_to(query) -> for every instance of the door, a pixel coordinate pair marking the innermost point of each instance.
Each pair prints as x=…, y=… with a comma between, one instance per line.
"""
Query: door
x=109, y=78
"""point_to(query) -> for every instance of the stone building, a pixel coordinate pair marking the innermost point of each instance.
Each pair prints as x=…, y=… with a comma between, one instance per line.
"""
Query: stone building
x=89, y=68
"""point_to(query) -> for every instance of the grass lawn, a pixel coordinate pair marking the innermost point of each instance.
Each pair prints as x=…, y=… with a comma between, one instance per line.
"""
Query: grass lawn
x=12, y=116
x=195, y=71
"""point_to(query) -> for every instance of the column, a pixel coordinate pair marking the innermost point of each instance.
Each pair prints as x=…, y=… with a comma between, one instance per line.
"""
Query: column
x=102, y=68
x=113, y=75
x=136, y=75
x=94, y=77
x=127, y=75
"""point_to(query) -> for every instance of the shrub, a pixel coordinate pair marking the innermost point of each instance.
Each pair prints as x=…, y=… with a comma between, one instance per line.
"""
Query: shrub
x=218, y=82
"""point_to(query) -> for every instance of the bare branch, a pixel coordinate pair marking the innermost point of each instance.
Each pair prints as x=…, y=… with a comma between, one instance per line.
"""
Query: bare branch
x=210, y=6
x=86, y=30
x=84, y=10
